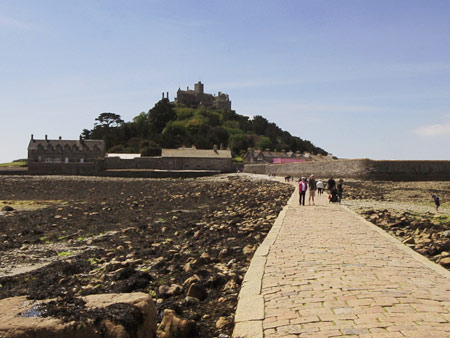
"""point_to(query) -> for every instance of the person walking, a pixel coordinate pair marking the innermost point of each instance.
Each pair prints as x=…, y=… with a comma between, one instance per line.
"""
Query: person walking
x=312, y=189
x=437, y=203
x=340, y=190
x=302, y=187
x=319, y=187
x=331, y=184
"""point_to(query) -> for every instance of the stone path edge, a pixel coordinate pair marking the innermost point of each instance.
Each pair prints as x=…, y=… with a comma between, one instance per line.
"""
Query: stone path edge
x=250, y=308
x=436, y=267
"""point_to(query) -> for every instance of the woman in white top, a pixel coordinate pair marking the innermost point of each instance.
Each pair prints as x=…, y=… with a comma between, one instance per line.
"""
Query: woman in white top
x=320, y=187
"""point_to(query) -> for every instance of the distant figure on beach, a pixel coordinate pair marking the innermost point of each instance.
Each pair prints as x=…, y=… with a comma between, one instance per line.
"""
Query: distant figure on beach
x=302, y=187
x=320, y=187
x=331, y=184
x=312, y=189
x=340, y=189
x=437, y=203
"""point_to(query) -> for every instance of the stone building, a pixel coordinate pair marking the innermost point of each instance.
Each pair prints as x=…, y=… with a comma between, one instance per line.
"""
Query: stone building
x=64, y=151
x=278, y=157
x=197, y=98
x=267, y=156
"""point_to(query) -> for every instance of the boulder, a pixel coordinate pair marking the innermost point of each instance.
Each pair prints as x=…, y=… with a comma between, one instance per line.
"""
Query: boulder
x=173, y=326
x=7, y=208
x=197, y=290
x=222, y=322
x=445, y=262
x=20, y=317
x=169, y=291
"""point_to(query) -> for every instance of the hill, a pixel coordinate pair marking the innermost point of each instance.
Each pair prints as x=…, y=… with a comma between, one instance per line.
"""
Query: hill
x=167, y=125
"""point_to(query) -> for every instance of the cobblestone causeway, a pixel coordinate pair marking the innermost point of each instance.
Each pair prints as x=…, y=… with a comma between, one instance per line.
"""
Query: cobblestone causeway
x=329, y=273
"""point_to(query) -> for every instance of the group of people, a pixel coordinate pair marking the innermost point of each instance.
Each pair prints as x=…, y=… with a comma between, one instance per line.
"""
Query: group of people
x=336, y=190
x=311, y=185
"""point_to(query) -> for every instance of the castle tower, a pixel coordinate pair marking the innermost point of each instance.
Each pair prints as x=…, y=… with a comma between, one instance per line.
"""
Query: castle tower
x=198, y=88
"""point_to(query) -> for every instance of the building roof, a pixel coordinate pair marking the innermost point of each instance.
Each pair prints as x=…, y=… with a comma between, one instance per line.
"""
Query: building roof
x=193, y=152
x=272, y=154
x=90, y=144
x=123, y=156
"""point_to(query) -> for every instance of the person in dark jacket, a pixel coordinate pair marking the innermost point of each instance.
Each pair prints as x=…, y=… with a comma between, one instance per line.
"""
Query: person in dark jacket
x=331, y=184
x=312, y=189
x=437, y=203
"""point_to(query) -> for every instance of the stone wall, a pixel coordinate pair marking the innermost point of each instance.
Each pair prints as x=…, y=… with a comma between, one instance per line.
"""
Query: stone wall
x=360, y=169
x=42, y=168
x=104, y=167
x=170, y=163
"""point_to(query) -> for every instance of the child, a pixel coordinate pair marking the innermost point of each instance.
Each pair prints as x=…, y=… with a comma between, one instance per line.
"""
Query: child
x=436, y=202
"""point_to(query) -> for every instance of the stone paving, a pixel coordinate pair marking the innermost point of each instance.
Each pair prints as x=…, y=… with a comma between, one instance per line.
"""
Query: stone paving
x=323, y=271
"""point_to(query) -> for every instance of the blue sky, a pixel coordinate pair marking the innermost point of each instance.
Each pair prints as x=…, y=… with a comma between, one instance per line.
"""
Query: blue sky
x=358, y=78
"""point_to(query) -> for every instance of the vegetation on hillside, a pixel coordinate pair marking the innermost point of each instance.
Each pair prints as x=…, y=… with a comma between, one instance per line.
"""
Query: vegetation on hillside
x=170, y=126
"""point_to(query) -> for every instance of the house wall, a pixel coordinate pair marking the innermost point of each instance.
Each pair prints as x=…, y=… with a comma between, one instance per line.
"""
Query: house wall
x=360, y=169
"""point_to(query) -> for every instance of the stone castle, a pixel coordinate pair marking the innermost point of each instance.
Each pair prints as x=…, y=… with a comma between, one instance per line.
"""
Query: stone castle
x=198, y=98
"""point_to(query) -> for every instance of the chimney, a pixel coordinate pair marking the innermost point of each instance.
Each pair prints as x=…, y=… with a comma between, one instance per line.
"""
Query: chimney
x=167, y=97
x=32, y=138
x=162, y=95
x=46, y=137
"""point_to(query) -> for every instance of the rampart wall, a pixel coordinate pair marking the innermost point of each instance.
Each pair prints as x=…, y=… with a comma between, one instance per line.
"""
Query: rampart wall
x=360, y=169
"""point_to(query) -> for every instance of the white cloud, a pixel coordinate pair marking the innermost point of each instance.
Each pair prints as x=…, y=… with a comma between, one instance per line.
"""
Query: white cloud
x=434, y=130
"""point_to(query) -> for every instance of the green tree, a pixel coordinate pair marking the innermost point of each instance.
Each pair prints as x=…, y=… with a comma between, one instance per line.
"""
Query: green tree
x=264, y=143
x=109, y=120
x=150, y=148
x=161, y=114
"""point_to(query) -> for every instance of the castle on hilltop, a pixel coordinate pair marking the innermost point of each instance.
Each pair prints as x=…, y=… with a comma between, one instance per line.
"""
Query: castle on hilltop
x=198, y=98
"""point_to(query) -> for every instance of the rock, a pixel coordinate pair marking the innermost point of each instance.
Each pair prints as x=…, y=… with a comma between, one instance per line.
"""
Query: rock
x=223, y=253
x=222, y=322
x=169, y=291
x=191, y=300
x=409, y=240
x=197, y=290
x=248, y=249
x=446, y=233
x=230, y=286
x=7, y=208
x=445, y=262
x=173, y=326
x=19, y=317
x=374, y=217
x=190, y=280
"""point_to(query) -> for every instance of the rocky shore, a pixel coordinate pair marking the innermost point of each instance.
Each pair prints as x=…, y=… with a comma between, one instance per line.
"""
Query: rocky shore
x=187, y=243
x=406, y=211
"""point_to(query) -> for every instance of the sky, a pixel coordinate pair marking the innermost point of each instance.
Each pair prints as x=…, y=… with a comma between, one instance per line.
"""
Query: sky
x=358, y=78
